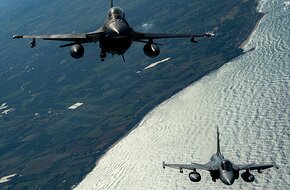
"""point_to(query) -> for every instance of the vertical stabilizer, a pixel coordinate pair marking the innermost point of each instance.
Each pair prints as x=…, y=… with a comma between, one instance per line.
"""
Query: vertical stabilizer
x=218, y=140
x=111, y=4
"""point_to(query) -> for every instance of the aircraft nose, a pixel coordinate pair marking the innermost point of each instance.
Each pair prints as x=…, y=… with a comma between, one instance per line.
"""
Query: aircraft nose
x=118, y=28
x=228, y=182
x=228, y=178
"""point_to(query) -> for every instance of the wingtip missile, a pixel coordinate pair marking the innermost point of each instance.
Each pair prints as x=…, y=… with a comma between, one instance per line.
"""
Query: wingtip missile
x=210, y=34
x=163, y=165
x=17, y=36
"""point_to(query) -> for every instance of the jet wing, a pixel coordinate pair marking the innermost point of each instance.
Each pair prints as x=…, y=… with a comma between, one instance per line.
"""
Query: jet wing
x=192, y=166
x=254, y=166
x=137, y=36
x=81, y=38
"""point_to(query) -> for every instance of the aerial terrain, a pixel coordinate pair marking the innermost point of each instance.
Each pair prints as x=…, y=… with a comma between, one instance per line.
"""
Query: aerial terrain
x=248, y=98
x=44, y=143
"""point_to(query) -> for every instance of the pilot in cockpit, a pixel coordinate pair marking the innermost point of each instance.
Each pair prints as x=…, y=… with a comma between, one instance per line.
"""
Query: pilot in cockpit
x=227, y=165
x=116, y=13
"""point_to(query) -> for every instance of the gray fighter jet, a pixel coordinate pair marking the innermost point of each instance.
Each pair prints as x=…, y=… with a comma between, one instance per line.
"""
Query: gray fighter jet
x=221, y=168
x=114, y=37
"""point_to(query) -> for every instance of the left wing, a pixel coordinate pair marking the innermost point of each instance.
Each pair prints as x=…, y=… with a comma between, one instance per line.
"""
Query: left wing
x=137, y=36
x=60, y=37
x=254, y=166
x=192, y=166
x=79, y=38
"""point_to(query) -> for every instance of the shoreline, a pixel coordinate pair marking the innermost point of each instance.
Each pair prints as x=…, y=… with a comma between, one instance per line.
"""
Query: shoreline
x=255, y=26
x=242, y=46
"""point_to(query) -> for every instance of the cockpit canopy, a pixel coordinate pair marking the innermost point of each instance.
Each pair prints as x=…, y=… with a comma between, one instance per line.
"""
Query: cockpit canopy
x=227, y=165
x=116, y=13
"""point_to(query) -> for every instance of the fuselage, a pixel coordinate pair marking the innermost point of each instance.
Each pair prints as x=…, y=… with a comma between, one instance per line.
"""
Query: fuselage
x=226, y=172
x=116, y=36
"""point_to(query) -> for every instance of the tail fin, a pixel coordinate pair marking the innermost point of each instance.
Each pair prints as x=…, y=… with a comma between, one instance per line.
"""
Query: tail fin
x=218, y=140
x=111, y=4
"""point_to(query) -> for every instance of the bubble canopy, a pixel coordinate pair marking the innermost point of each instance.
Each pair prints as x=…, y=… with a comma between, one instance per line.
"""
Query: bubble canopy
x=116, y=13
x=227, y=165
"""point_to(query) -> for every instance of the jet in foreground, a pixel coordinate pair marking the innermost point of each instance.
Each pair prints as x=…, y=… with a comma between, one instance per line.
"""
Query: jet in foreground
x=220, y=168
x=114, y=37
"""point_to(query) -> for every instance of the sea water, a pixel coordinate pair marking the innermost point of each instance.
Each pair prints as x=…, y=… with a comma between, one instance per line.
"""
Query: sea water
x=248, y=98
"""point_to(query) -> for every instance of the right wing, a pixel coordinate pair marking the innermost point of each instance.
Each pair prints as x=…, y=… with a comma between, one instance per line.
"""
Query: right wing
x=254, y=166
x=139, y=37
x=192, y=166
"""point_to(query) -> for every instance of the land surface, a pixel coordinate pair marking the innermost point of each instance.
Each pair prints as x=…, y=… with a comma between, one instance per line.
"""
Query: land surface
x=51, y=147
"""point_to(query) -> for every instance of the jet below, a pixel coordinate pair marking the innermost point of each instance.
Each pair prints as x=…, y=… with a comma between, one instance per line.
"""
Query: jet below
x=221, y=168
x=114, y=37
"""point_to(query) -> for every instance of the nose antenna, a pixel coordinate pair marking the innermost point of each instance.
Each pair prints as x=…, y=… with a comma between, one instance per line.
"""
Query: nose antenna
x=218, y=140
x=111, y=4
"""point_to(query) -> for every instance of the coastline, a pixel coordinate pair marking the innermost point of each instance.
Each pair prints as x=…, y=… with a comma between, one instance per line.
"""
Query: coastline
x=254, y=29
x=241, y=46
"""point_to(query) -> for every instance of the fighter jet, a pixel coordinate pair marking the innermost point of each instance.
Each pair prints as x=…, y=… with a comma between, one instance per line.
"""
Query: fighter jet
x=221, y=168
x=114, y=37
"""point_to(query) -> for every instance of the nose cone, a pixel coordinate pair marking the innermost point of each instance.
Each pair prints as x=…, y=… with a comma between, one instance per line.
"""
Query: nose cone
x=118, y=28
x=228, y=178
